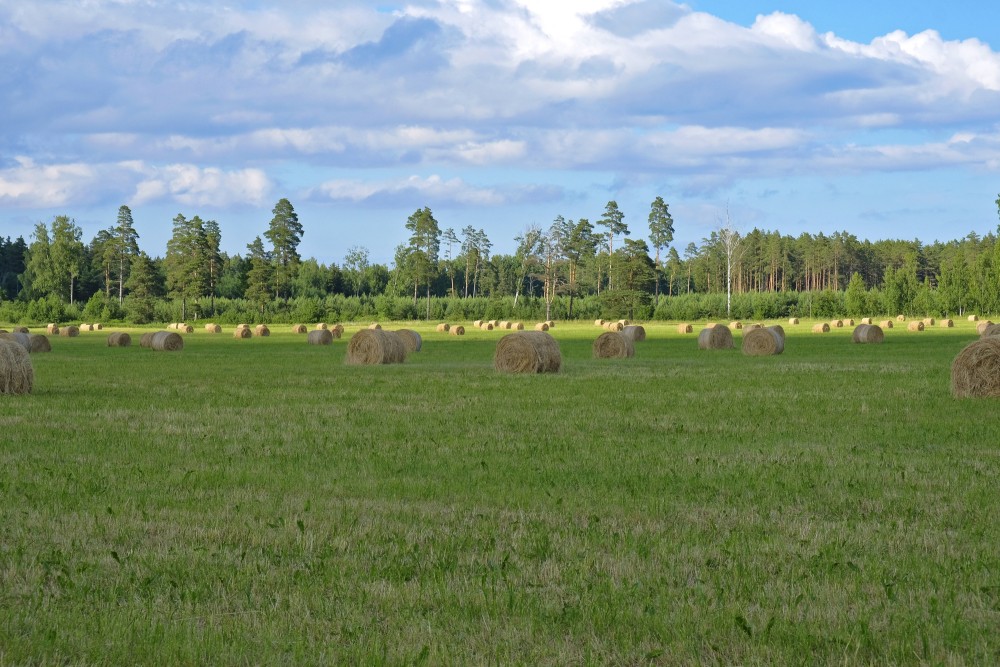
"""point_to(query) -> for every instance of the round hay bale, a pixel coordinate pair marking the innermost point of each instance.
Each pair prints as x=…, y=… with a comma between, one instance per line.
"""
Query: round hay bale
x=753, y=327
x=69, y=332
x=518, y=326
x=374, y=326
x=146, y=340
x=243, y=326
x=868, y=333
x=837, y=324
x=975, y=372
x=915, y=326
x=185, y=328
x=411, y=339
x=320, y=337
x=299, y=329
x=52, y=329
x=542, y=326
x=443, y=328
x=900, y=318
x=98, y=327
x=86, y=327
x=166, y=341
x=736, y=325
x=793, y=320
x=337, y=330
x=486, y=326
x=763, y=342
x=22, y=339
x=494, y=323
x=213, y=328
x=478, y=324
x=928, y=321
x=457, y=330
x=23, y=330
x=848, y=322
x=718, y=337
x=528, y=352
x=242, y=333
x=503, y=324
x=375, y=346
x=780, y=330
x=598, y=323
x=119, y=340
x=866, y=320
x=17, y=375
x=321, y=326
x=552, y=323
x=822, y=327
x=973, y=318
x=885, y=324
x=261, y=330
x=946, y=324
x=636, y=332
x=610, y=326
x=685, y=328
x=40, y=343
x=613, y=345
x=624, y=323
x=989, y=330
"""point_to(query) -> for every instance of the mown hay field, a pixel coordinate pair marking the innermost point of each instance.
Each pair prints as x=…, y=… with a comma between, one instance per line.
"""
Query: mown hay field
x=260, y=501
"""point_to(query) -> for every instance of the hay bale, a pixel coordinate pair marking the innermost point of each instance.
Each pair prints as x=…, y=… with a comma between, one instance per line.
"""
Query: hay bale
x=337, y=330
x=518, y=326
x=242, y=333
x=69, y=332
x=299, y=329
x=866, y=320
x=552, y=323
x=261, y=330
x=737, y=325
x=375, y=346
x=753, y=327
x=86, y=327
x=503, y=324
x=612, y=326
x=975, y=372
x=528, y=352
x=478, y=324
x=848, y=322
x=822, y=327
x=17, y=376
x=23, y=330
x=599, y=323
x=763, y=342
x=457, y=330
x=146, y=340
x=915, y=326
x=186, y=328
x=885, y=324
x=624, y=323
x=867, y=333
x=166, y=341
x=495, y=323
x=613, y=345
x=989, y=330
x=717, y=337
x=486, y=326
x=542, y=326
x=636, y=332
x=40, y=343
x=710, y=325
x=837, y=324
x=98, y=327
x=213, y=328
x=320, y=337
x=780, y=330
x=946, y=324
x=793, y=320
x=411, y=339
x=900, y=318
x=375, y=326
x=22, y=339
x=52, y=329
x=119, y=340
x=243, y=326
x=321, y=326
x=443, y=328
x=928, y=321
x=973, y=318
x=685, y=328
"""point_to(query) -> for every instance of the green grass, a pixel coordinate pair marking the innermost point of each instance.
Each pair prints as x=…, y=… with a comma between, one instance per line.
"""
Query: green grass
x=260, y=502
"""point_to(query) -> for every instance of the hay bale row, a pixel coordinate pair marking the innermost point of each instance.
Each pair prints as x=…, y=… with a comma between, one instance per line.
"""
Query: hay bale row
x=119, y=339
x=17, y=375
x=685, y=328
x=320, y=337
x=411, y=339
x=457, y=330
x=613, y=345
x=915, y=326
x=614, y=326
x=765, y=341
x=975, y=372
x=443, y=327
x=375, y=346
x=527, y=352
x=716, y=337
x=636, y=332
x=822, y=327
x=299, y=329
x=868, y=333
x=211, y=327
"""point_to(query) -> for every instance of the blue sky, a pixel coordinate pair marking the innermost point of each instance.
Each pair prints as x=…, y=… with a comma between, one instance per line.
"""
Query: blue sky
x=881, y=118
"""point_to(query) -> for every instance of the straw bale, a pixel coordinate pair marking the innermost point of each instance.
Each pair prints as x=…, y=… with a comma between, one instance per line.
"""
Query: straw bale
x=299, y=329
x=946, y=324
x=866, y=320
x=17, y=376
x=636, y=332
x=552, y=323
x=900, y=318
x=166, y=341
x=478, y=324
x=337, y=330
x=261, y=330
x=98, y=327
x=915, y=326
x=119, y=339
x=599, y=323
x=624, y=323
x=763, y=342
x=457, y=330
x=213, y=328
x=975, y=372
x=928, y=321
x=320, y=337
x=486, y=326
x=837, y=324
x=685, y=328
x=542, y=326
x=185, y=328
x=374, y=326
x=242, y=333
x=22, y=339
x=86, y=327
x=848, y=322
x=411, y=339
x=146, y=340
x=988, y=329
x=69, y=331
x=494, y=323
x=52, y=329
x=243, y=326
x=780, y=330
x=503, y=324
x=40, y=343
x=610, y=326
x=793, y=320
x=885, y=324
x=518, y=326
x=717, y=337
x=528, y=352
x=23, y=330
x=752, y=327
x=735, y=325
x=321, y=326
x=973, y=318
x=613, y=345
x=443, y=327
x=868, y=333
x=375, y=346
x=822, y=327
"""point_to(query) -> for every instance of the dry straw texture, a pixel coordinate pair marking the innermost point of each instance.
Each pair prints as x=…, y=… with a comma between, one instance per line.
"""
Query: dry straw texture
x=98, y=327
x=542, y=326
x=119, y=339
x=975, y=372
x=624, y=323
x=822, y=327
x=915, y=326
x=928, y=321
x=457, y=330
x=320, y=337
x=299, y=329
x=443, y=327
x=990, y=330
x=411, y=339
x=885, y=324
x=17, y=376
x=636, y=332
x=613, y=326
x=848, y=322
x=40, y=343
x=983, y=326
x=374, y=346
x=243, y=326
x=242, y=333
x=213, y=328
x=503, y=324
x=717, y=337
x=613, y=345
x=754, y=326
x=867, y=333
x=947, y=324
x=486, y=326
x=261, y=330
x=528, y=352
x=900, y=318
x=52, y=329
x=837, y=324
x=86, y=327
x=736, y=325
x=552, y=323
x=146, y=340
x=22, y=339
x=518, y=326
x=186, y=328
x=793, y=320
x=780, y=330
x=866, y=320
x=973, y=318
x=763, y=342
x=166, y=341
x=478, y=324
x=685, y=328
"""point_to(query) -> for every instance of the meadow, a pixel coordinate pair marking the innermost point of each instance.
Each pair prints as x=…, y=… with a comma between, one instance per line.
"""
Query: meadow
x=260, y=502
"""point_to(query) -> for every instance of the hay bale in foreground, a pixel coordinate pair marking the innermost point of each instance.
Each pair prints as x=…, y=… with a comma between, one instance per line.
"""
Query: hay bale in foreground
x=166, y=341
x=22, y=339
x=975, y=372
x=146, y=340
x=542, y=326
x=119, y=339
x=52, y=329
x=822, y=327
x=299, y=329
x=793, y=320
x=239, y=333
x=717, y=337
x=320, y=337
x=946, y=324
x=915, y=326
x=528, y=352
x=375, y=346
x=443, y=327
x=868, y=333
x=411, y=339
x=685, y=328
x=973, y=318
x=261, y=330
x=211, y=327
x=989, y=330
x=613, y=345
x=40, y=343
x=885, y=324
x=17, y=375
x=636, y=332
x=763, y=342
x=457, y=330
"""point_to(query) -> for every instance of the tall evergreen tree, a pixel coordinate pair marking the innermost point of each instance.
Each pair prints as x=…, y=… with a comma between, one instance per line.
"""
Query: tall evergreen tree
x=614, y=220
x=126, y=246
x=260, y=277
x=213, y=258
x=425, y=242
x=67, y=252
x=185, y=261
x=285, y=234
x=661, y=234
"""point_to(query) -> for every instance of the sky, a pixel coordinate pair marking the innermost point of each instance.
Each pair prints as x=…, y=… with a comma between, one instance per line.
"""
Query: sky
x=878, y=118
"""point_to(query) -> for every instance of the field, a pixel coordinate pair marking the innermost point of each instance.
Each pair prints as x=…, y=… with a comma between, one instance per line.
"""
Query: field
x=261, y=502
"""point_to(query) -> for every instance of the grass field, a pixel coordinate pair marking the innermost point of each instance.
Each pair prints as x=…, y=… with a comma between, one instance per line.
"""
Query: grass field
x=260, y=502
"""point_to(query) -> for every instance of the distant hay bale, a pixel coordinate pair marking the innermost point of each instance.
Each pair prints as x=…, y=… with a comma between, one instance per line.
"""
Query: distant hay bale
x=946, y=324
x=40, y=343
x=321, y=326
x=457, y=330
x=752, y=327
x=119, y=339
x=528, y=352
x=98, y=327
x=243, y=326
x=261, y=330
x=375, y=346
x=866, y=320
x=411, y=339
x=793, y=320
x=166, y=341
x=822, y=327
x=320, y=337
x=552, y=323
x=52, y=329
x=17, y=375
x=989, y=330
x=915, y=326
x=636, y=332
x=518, y=326
x=69, y=331
x=185, y=328
x=975, y=372
x=486, y=326
x=299, y=329
x=973, y=318
x=736, y=325
x=146, y=340
x=685, y=328
x=213, y=328
x=542, y=326
x=86, y=327
x=848, y=322
x=837, y=324
x=503, y=324
x=443, y=327
x=22, y=339
x=718, y=337
x=613, y=345
x=599, y=323
x=928, y=321
x=610, y=326
x=494, y=323
x=239, y=333
x=763, y=342
x=868, y=333
x=900, y=318
x=23, y=330
x=478, y=324
x=885, y=324
x=374, y=326
x=624, y=323
x=337, y=330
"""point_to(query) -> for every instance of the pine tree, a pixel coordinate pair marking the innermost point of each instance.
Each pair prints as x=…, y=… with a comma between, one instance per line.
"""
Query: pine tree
x=614, y=220
x=661, y=233
x=285, y=234
x=260, y=277
x=126, y=246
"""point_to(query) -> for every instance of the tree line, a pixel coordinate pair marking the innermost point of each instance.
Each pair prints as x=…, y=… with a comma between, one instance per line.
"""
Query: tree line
x=569, y=269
